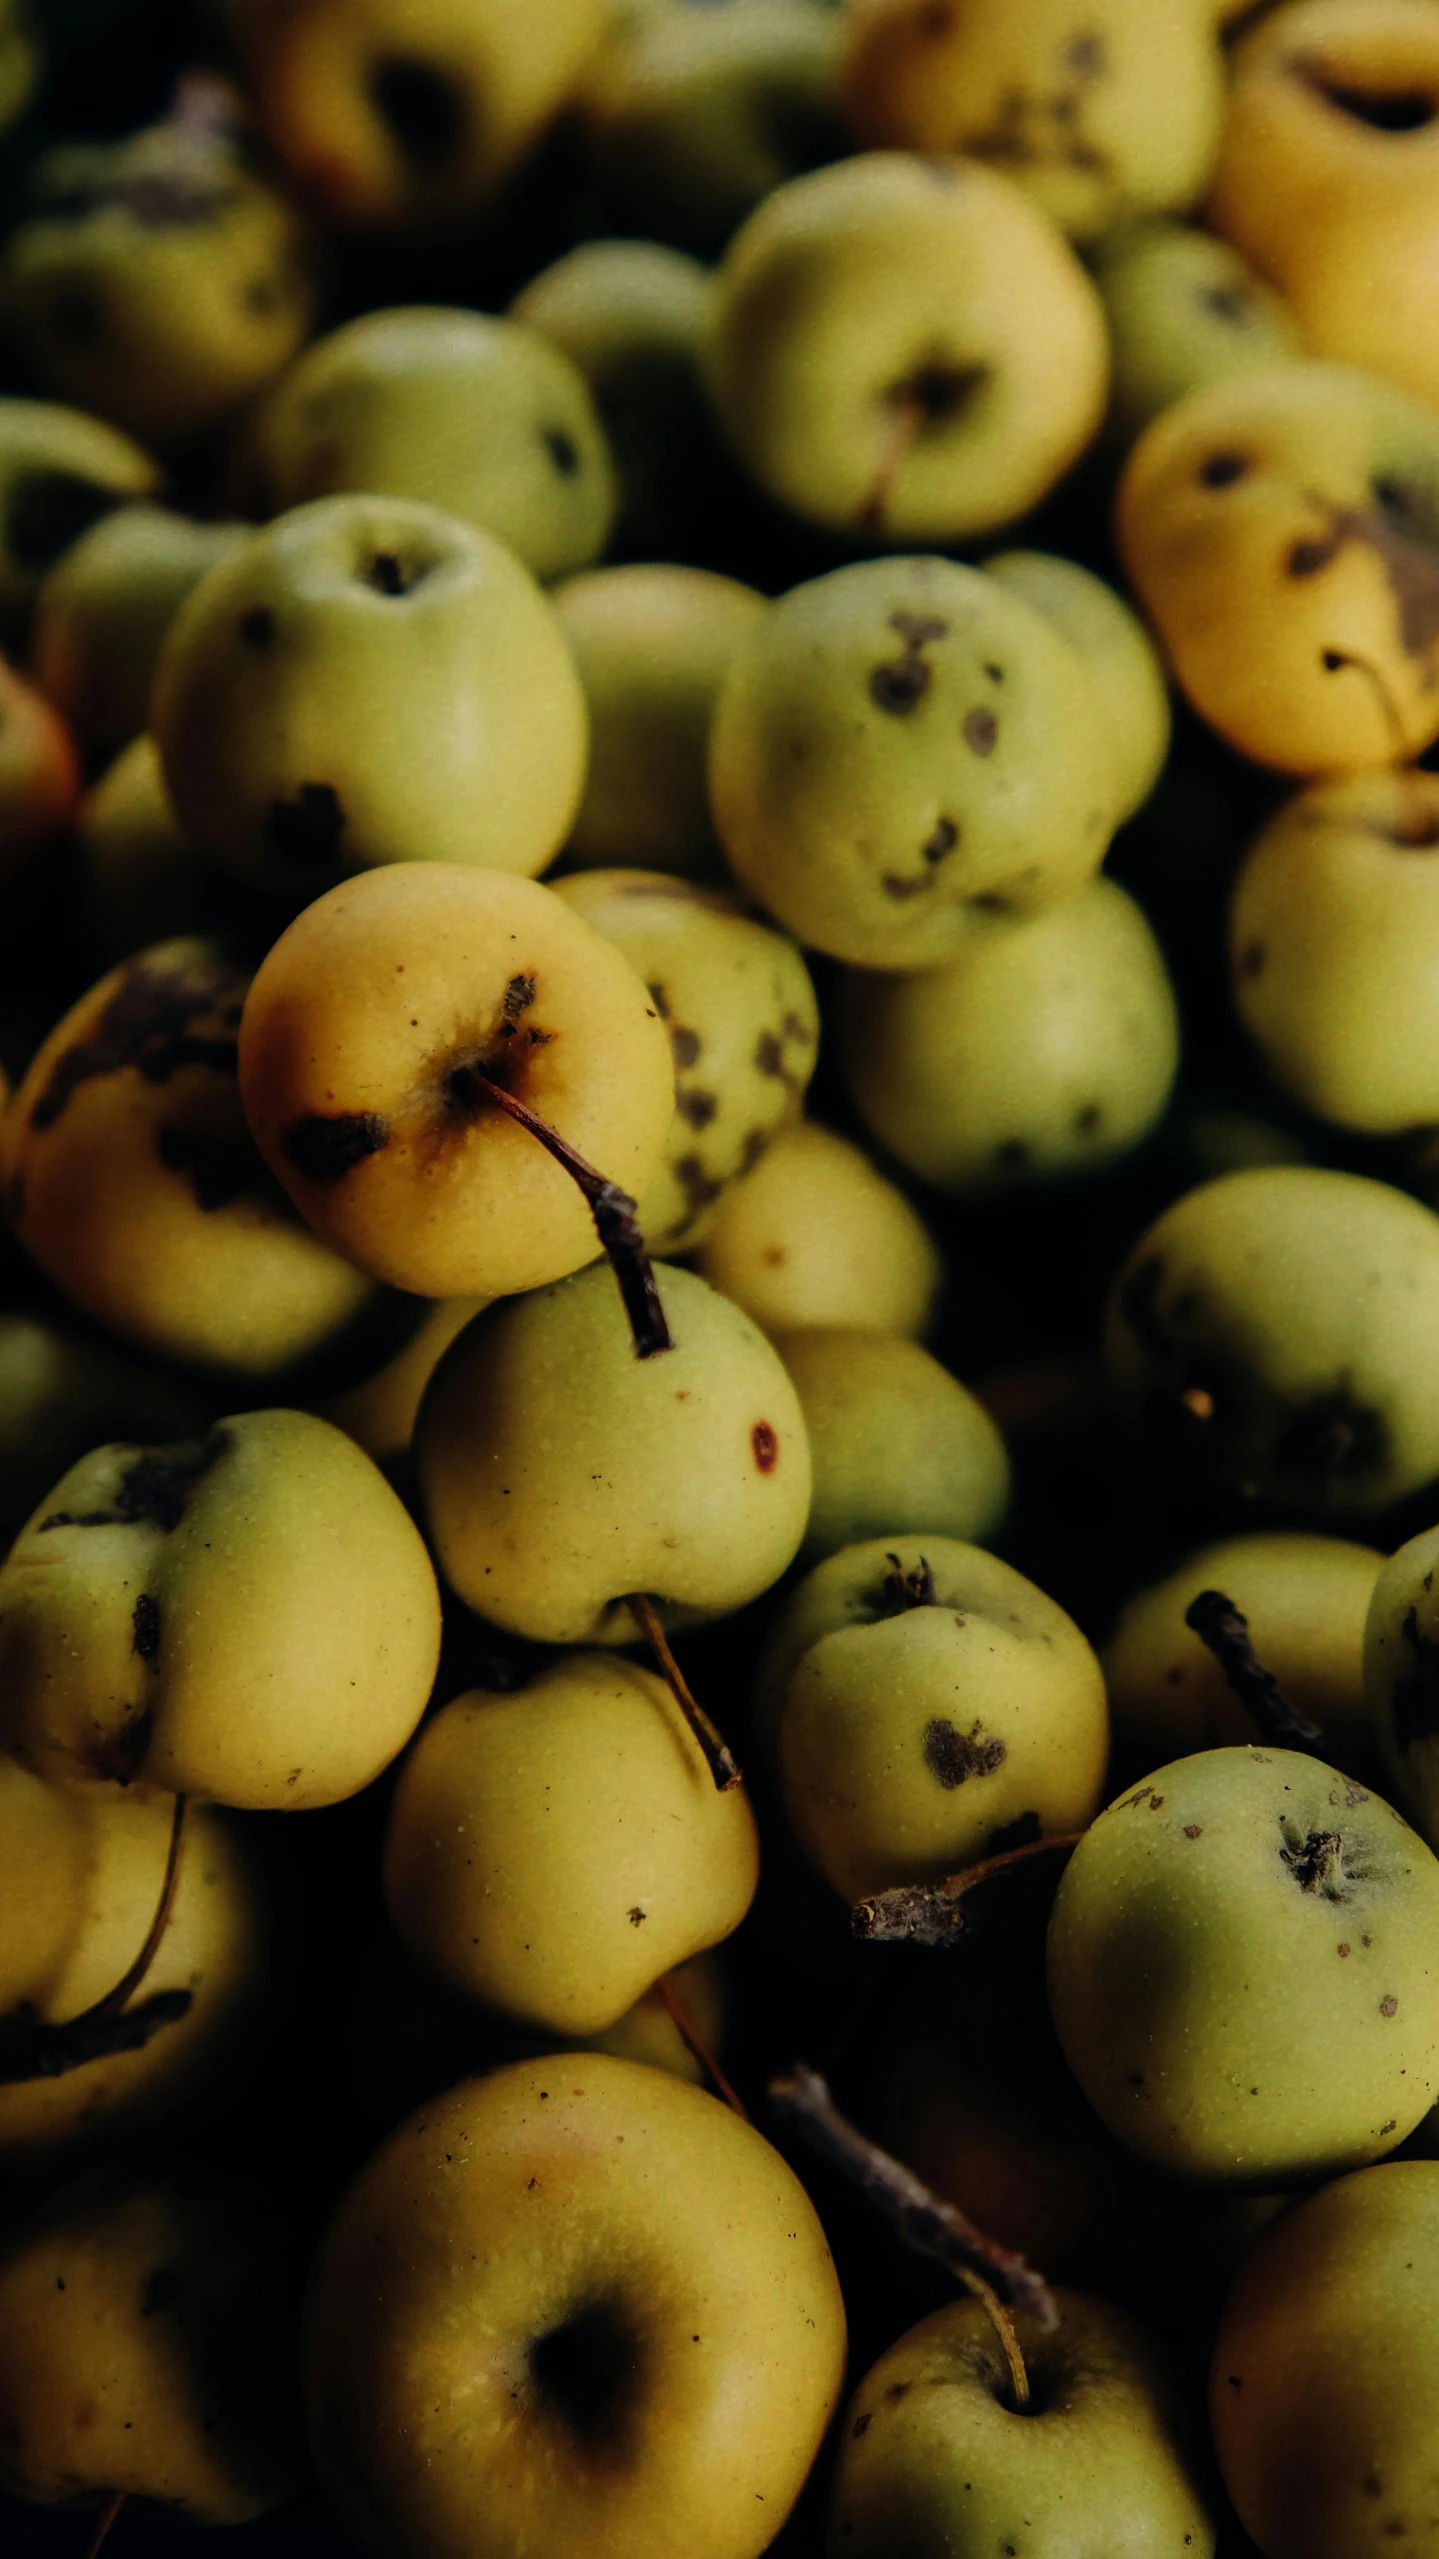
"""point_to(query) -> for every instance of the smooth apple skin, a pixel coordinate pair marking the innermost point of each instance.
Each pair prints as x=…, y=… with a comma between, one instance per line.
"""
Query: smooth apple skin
x=577, y=2305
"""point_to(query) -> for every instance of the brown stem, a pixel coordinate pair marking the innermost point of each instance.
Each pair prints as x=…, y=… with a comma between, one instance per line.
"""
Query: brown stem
x=933, y=1914
x=35, y=2050
x=616, y=1222
x=723, y=1766
x=694, y=2042
x=1336, y=659
x=922, y=2219
x=103, y=2521
x=1218, y=1623
x=908, y=418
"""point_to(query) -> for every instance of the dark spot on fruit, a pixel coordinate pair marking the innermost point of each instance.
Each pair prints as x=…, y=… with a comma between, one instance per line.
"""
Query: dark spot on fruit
x=860, y=2427
x=49, y=510
x=1373, y=2485
x=764, y=1440
x=1011, y=1154
x=257, y=627
x=145, y=1626
x=1333, y=659
x=896, y=885
x=519, y=996
x=1414, y=1702
x=942, y=841
x=1309, y=555
x=981, y=731
x=637, y=1917
x=1221, y=470
x=263, y=295
x=146, y=1025
x=153, y=1490
x=1391, y=2126
x=755, y=1142
x=1386, y=110
x=1341, y=1950
x=769, y=1054
x=1253, y=959
x=1231, y=303
x=684, y=1045
x=1332, y=1439
x=1022, y=1832
x=161, y=2291
x=1389, y=2005
x=324, y=1150
x=696, y=1106
x=1194, y=1830
x=660, y=1001
x=422, y=108
x=954, y=1757
x=700, y=1188
x=306, y=830
x=1235, y=2381
x=563, y=452
x=220, y=1170
x=1088, y=1120
x=902, y=682
x=1315, y=1860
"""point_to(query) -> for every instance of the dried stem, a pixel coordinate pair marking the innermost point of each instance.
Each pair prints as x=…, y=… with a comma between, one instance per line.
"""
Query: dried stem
x=907, y=419
x=616, y=1222
x=933, y=1914
x=723, y=1766
x=35, y=2050
x=103, y=2521
x=1218, y=1623
x=922, y=2219
x=694, y=2042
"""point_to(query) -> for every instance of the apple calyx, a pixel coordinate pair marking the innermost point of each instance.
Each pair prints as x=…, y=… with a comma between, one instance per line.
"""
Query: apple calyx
x=1219, y=1624
x=900, y=1591
x=616, y=1217
x=30, y=2049
x=723, y=1767
x=934, y=1914
x=998, y=2277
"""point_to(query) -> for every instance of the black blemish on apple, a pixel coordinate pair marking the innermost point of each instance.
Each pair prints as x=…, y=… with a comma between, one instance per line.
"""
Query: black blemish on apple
x=220, y=1170
x=1316, y=1861
x=897, y=885
x=145, y=1626
x=699, y=1187
x=563, y=452
x=1253, y=960
x=897, y=685
x=1333, y=1439
x=981, y=731
x=696, y=1106
x=954, y=1757
x=1221, y=470
x=1386, y=110
x=1022, y=1832
x=942, y=841
x=860, y=2427
x=258, y=627
x=1011, y=1155
x=1088, y=1120
x=48, y=510
x=146, y=1024
x=422, y=109
x=306, y=830
x=1231, y=303
x=1414, y=1703
x=323, y=1150
x=1389, y=2005
x=685, y=1045
x=161, y=2291
x=660, y=1001
x=755, y=1142
x=1194, y=1830
x=519, y=996
x=764, y=1440
x=1402, y=529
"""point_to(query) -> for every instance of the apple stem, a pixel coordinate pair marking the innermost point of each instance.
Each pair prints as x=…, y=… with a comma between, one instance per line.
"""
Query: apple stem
x=933, y=1914
x=1218, y=1623
x=723, y=1766
x=106, y=2517
x=1335, y=660
x=904, y=1590
x=922, y=2219
x=907, y=419
x=693, y=2042
x=34, y=2050
x=616, y=1217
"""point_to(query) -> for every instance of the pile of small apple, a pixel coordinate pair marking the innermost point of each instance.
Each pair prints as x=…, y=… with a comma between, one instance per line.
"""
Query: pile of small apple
x=719, y=1286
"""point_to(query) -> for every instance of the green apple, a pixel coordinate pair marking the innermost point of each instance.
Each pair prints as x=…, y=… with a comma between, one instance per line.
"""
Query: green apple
x=63, y=1391
x=1045, y=1048
x=1183, y=309
x=553, y=1852
x=1122, y=660
x=896, y=1443
x=369, y=680
x=1400, y=1685
x=936, y=2462
x=1281, y=1327
x=816, y=1235
x=143, y=880
x=249, y=1617
x=906, y=350
x=1244, y=1969
x=558, y=1474
x=921, y=1700
x=60, y=472
x=484, y=417
x=103, y=612
x=577, y=2304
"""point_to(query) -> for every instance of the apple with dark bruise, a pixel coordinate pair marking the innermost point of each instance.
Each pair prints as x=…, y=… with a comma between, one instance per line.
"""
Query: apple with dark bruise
x=373, y=1038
